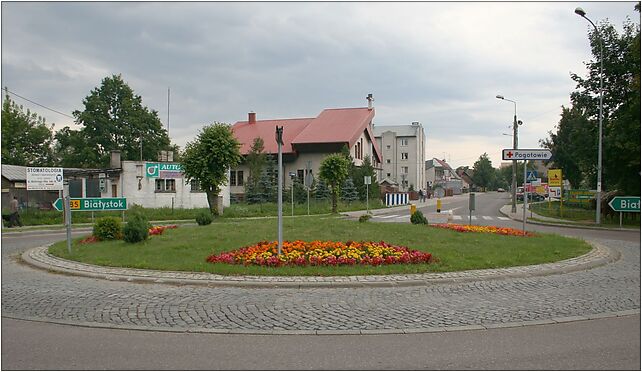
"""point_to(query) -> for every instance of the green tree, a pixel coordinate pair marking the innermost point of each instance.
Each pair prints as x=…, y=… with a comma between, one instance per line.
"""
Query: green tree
x=256, y=159
x=115, y=119
x=26, y=138
x=366, y=169
x=334, y=170
x=575, y=144
x=484, y=173
x=348, y=191
x=321, y=191
x=208, y=159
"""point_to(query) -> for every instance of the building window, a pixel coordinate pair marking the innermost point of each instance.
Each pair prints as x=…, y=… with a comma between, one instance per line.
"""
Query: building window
x=404, y=142
x=387, y=161
x=92, y=188
x=358, y=149
x=300, y=174
x=388, y=147
x=387, y=174
x=165, y=185
x=195, y=185
x=236, y=178
x=404, y=156
x=404, y=170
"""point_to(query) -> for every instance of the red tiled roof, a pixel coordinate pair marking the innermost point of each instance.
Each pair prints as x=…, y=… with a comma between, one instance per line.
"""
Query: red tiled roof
x=331, y=126
x=266, y=129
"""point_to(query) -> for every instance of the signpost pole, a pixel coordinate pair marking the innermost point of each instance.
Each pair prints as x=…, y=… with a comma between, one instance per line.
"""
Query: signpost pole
x=67, y=209
x=620, y=220
x=279, y=141
x=367, y=200
x=524, y=196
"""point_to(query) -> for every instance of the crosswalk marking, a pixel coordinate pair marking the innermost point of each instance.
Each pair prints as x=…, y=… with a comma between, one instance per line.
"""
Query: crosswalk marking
x=487, y=218
x=504, y=218
x=406, y=216
x=386, y=217
x=454, y=217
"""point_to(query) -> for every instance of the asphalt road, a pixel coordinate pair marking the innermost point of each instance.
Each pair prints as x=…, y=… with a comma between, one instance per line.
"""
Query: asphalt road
x=611, y=343
x=606, y=344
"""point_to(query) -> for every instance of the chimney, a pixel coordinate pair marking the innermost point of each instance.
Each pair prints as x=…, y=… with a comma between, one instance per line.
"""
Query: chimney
x=251, y=117
x=370, y=99
x=115, y=159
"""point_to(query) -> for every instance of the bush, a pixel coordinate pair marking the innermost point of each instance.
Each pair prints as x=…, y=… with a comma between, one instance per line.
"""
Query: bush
x=204, y=218
x=418, y=218
x=108, y=228
x=364, y=218
x=137, y=228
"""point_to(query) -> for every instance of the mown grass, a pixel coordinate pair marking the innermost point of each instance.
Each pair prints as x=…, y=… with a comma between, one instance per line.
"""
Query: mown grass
x=187, y=247
x=583, y=215
x=35, y=217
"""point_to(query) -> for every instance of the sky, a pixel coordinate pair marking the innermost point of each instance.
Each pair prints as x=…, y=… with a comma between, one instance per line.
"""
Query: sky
x=439, y=63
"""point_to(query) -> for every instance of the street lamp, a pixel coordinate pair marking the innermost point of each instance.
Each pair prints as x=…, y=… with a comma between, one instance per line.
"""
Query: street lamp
x=598, y=196
x=513, y=208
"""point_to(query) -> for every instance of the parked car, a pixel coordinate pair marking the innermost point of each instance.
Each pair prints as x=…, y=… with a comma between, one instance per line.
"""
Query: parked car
x=499, y=189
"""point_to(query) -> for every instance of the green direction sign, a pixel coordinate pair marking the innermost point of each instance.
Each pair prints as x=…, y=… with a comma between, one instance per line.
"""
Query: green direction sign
x=93, y=204
x=625, y=204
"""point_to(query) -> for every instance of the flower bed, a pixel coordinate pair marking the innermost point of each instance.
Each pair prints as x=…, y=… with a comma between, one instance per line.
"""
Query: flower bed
x=322, y=253
x=483, y=229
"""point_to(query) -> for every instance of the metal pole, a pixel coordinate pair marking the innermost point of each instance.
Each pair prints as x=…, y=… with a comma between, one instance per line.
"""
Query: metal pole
x=514, y=184
x=67, y=209
x=367, y=200
x=292, y=192
x=524, y=202
x=280, y=189
x=308, y=201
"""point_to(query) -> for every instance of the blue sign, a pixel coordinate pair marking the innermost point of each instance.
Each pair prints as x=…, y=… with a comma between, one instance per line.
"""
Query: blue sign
x=531, y=175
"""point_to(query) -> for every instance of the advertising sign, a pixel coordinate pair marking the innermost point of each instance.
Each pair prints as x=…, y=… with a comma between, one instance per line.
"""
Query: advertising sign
x=43, y=178
x=163, y=170
x=555, y=177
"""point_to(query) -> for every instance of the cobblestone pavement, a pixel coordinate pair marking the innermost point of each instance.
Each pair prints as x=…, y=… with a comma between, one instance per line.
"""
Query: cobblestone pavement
x=608, y=290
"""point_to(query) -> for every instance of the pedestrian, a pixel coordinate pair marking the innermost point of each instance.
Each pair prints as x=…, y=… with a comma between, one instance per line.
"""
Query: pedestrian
x=14, y=219
x=421, y=195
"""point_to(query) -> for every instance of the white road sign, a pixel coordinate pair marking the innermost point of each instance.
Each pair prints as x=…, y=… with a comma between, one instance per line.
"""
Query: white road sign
x=44, y=178
x=555, y=192
x=527, y=154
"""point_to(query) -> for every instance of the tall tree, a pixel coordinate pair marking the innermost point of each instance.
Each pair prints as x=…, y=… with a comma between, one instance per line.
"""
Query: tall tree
x=334, y=170
x=115, y=119
x=575, y=144
x=484, y=173
x=26, y=138
x=208, y=159
x=256, y=159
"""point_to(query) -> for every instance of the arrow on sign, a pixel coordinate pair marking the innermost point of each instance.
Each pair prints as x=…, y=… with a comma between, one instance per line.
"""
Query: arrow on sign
x=625, y=204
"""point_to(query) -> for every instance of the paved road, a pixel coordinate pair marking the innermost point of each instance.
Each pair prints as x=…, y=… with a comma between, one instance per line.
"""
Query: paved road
x=34, y=294
x=607, y=344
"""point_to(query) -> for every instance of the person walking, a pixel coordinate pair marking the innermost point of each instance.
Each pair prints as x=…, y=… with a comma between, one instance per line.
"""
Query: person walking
x=14, y=218
x=421, y=195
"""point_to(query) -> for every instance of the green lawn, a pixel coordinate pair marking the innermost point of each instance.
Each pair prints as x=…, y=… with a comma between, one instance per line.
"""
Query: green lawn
x=187, y=247
x=582, y=215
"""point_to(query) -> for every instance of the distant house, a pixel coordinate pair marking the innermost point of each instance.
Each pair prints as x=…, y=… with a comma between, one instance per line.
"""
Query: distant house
x=403, y=148
x=443, y=180
x=307, y=140
x=149, y=184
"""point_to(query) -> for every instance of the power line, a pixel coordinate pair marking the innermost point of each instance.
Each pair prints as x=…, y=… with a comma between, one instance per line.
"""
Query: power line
x=36, y=103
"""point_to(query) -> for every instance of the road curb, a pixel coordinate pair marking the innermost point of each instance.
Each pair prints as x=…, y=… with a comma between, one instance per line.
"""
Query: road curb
x=40, y=258
x=336, y=332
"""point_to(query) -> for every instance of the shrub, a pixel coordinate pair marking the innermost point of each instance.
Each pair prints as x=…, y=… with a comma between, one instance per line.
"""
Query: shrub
x=364, y=217
x=418, y=218
x=108, y=228
x=204, y=218
x=137, y=228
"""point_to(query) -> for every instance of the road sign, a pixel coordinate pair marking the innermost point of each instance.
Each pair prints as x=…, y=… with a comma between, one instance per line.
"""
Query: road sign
x=581, y=196
x=555, y=191
x=93, y=204
x=555, y=177
x=625, y=204
x=44, y=178
x=102, y=184
x=531, y=176
x=367, y=180
x=526, y=154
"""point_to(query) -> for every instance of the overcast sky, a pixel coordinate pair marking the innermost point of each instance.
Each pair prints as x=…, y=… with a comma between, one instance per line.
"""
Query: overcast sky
x=441, y=64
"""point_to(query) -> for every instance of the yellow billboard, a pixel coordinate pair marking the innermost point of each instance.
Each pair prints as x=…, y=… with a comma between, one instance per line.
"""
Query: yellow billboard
x=554, y=177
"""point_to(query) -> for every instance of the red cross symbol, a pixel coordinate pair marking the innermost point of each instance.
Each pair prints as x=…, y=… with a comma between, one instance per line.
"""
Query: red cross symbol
x=510, y=154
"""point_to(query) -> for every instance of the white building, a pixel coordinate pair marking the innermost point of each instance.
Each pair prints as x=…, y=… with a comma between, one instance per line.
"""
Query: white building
x=403, y=149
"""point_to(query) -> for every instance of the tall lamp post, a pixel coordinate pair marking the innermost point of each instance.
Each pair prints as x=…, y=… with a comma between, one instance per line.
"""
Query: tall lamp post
x=598, y=196
x=513, y=208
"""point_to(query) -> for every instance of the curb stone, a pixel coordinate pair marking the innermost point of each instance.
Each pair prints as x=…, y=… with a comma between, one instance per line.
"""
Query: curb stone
x=40, y=258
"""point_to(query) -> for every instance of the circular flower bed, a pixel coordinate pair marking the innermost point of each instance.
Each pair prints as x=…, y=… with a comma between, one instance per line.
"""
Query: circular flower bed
x=483, y=229
x=154, y=230
x=322, y=253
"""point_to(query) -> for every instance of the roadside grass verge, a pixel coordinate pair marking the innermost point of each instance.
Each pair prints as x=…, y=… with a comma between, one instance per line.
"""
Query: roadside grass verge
x=186, y=248
x=35, y=217
x=583, y=216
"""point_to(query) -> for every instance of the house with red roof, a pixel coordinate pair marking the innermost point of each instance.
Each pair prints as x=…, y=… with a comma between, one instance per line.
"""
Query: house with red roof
x=308, y=140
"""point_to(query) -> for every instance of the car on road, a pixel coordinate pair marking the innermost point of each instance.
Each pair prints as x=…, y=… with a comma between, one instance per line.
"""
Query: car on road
x=499, y=189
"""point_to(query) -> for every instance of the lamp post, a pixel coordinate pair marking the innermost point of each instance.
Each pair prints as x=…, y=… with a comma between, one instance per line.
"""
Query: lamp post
x=598, y=196
x=513, y=208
